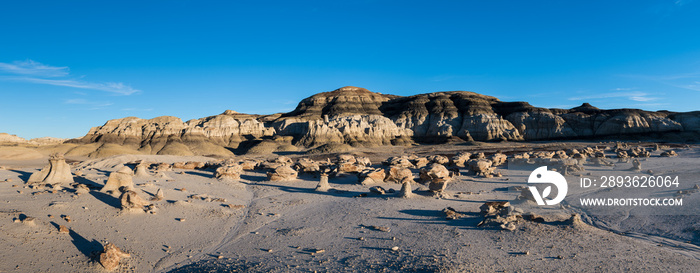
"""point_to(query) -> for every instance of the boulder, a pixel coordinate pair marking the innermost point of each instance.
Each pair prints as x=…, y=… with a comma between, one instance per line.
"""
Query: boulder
x=371, y=176
x=348, y=167
x=111, y=256
x=164, y=167
x=436, y=175
x=481, y=167
x=248, y=164
x=346, y=158
x=460, y=159
x=498, y=159
x=420, y=162
x=305, y=165
x=378, y=190
x=363, y=161
x=402, y=162
x=670, y=153
x=229, y=173
x=439, y=159
x=399, y=175
x=130, y=200
x=282, y=173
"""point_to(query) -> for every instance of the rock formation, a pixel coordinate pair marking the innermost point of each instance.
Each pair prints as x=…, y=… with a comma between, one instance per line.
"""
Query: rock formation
x=406, y=191
x=371, y=176
x=282, y=173
x=229, y=173
x=356, y=116
x=142, y=170
x=323, y=185
x=56, y=173
x=131, y=201
x=111, y=256
x=118, y=179
x=158, y=196
x=436, y=175
x=399, y=175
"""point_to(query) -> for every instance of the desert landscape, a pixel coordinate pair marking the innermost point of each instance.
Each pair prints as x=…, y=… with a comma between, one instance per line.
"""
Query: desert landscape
x=187, y=136
x=353, y=181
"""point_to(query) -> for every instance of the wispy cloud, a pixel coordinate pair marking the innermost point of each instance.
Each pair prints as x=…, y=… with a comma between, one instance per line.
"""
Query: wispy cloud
x=38, y=73
x=690, y=81
x=33, y=68
x=682, y=2
x=634, y=96
x=137, y=109
x=91, y=105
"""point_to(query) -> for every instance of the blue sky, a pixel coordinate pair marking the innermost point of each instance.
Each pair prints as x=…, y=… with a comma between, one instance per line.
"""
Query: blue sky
x=66, y=66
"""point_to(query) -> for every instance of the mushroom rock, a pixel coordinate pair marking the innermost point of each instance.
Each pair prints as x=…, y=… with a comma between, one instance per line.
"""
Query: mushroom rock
x=56, y=173
x=399, y=175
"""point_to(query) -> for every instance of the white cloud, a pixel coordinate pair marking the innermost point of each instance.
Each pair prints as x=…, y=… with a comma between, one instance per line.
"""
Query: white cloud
x=633, y=96
x=93, y=105
x=33, y=68
x=641, y=98
x=35, y=72
x=137, y=109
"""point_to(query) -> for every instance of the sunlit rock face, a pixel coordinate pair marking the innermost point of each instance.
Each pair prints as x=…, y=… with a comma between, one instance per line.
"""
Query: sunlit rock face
x=359, y=117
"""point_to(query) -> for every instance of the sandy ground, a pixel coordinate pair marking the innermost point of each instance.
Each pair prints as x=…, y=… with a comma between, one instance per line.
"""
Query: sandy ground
x=289, y=227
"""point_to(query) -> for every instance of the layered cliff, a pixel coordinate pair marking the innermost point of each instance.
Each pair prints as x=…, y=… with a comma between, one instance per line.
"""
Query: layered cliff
x=357, y=116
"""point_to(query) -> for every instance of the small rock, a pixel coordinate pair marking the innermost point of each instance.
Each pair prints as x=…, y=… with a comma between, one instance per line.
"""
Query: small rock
x=378, y=190
x=63, y=229
x=396, y=248
x=380, y=228
x=181, y=219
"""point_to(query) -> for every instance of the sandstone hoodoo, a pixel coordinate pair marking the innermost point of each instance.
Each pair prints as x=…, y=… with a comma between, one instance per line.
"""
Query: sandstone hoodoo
x=357, y=116
x=118, y=179
x=56, y=173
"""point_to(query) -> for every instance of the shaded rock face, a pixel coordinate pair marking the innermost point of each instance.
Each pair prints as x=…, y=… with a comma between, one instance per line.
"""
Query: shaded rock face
x=357, y=116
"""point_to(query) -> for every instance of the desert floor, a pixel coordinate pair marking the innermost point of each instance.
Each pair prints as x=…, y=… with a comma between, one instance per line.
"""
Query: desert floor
x=264, y=226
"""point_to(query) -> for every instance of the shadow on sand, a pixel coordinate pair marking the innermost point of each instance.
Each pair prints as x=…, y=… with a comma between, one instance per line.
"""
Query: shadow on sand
x=87, y=248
